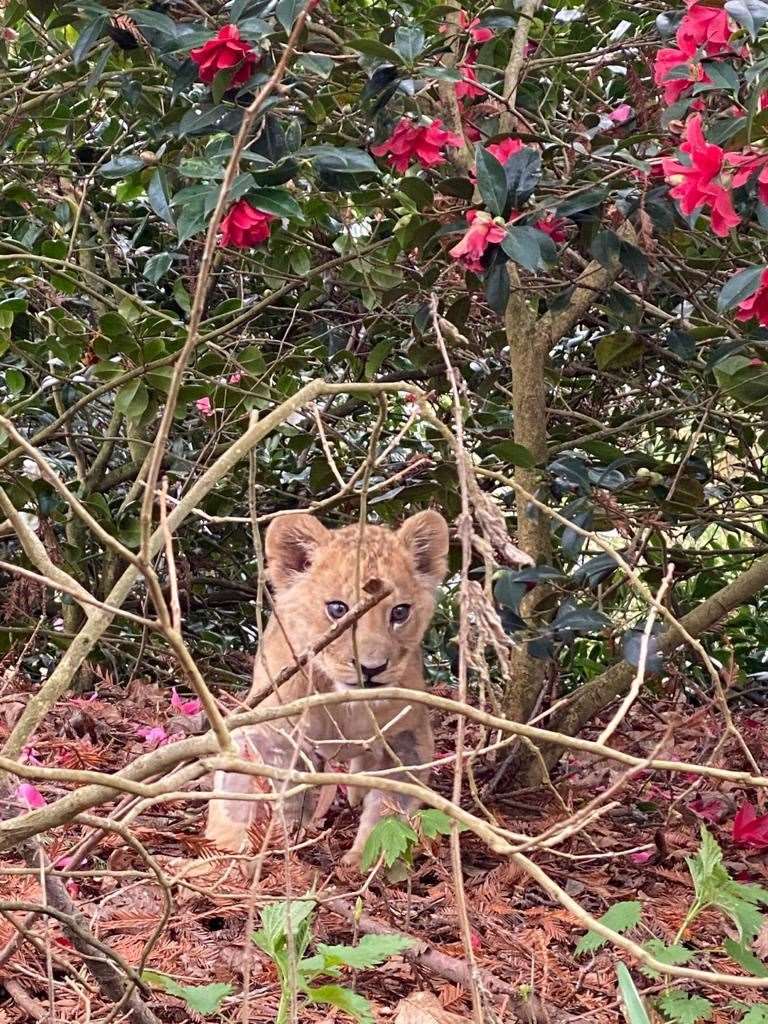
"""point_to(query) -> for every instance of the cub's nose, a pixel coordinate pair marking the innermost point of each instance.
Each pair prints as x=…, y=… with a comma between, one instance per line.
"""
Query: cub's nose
x=371, y=671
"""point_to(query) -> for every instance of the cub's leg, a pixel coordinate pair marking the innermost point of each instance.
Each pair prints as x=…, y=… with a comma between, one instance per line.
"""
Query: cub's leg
x=413, y=744
x=229, y=820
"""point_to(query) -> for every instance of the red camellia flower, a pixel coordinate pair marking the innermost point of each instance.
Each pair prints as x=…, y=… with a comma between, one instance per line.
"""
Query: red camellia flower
x=245, y=226
x=468, y=88
x=696, y=184
x=483, y=231
x=424, y=143
x=756, y=308
x=751, y=165
x=704, y=26
x=666, y=61
x=476, y=31
x=226, y=50
x=554, y=226
x=749, y=829
x=505, y=149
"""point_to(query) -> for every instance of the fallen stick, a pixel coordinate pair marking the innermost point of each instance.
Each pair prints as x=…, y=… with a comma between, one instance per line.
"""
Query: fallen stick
x=33, y=1008
x=529, y=1010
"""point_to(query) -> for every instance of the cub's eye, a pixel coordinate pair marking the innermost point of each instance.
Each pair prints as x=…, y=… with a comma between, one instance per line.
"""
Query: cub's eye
x=399, y=614
x=336, y=609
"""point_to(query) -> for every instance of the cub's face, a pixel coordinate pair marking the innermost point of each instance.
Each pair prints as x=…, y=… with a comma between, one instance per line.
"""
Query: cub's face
x=319, y=574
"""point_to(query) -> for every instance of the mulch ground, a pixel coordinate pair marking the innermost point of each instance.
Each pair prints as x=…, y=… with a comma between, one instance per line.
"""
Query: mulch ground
x=518, y=933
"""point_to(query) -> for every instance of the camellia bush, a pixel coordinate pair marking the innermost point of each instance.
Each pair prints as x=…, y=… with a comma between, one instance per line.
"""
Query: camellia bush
x=363, y=258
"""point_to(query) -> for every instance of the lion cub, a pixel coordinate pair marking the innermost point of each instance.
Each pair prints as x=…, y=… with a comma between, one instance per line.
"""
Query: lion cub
x=313, y=573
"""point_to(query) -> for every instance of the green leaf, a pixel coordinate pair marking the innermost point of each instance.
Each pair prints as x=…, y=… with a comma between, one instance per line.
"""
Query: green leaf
x=121, y=167
x=633, y=260
x=745, y=958
x=88, y=38
x=523, y=245
x=606, y=249
x=409, y=42
x=523, y=171
x=391, y=838
x=615, y=350
x=341, y=168
x=757, y=1014
x=621, y=917
x=157, y=266
x=715, y=888
x=132, y=399
x=336, y=995
x=287, y=11
x=491, y=181
x=739, y=287
x=158, y=196
x=373, y=48
x=513, y=453
x=435, y=823
x=15, y=381
x=370, y=951
x=632, y=1004
x=191, y=221
x=751, y=14
x=278, y=919
x=199, y=167
x=221, y=82
x=671, y=955
x=276, y=201
x=202, y=999
x=684, y=1009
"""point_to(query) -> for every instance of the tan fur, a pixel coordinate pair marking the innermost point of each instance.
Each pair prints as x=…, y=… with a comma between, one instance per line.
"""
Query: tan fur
x=308, y=567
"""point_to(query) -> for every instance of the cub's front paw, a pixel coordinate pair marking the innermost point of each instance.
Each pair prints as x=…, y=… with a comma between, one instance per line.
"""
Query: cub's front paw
x=352, y=859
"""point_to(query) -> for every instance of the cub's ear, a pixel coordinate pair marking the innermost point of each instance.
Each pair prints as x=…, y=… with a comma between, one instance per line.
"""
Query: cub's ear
x=425, y=535
x=291, y=543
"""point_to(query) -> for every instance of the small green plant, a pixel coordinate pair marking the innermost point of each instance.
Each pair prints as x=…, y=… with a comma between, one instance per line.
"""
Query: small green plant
x=286, y=935
x=713, y=887
x=203, y=999
x=394, y=839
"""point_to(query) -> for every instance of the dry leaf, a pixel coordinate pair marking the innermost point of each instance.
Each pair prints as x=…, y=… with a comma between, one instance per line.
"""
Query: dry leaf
x=425, y=1008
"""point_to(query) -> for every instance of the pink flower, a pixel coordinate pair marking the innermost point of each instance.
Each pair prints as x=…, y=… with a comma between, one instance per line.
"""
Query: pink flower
x=204, y=407
x=244, y=226
x=554, y=226
x=505, y=149
x=621, y=114
x=29, y=795
x=704, y=26
x=423, y=143
x=186, y=707
x=708, y=807
x=468, y=88
x=478, y=34
x=482, y=232
x=751, y=165
x=641, y=857
x=235, y=378
x=225, y=51
x=749, y=829
x=154, y=734
x=666, y=61
x=756, y=306
x=696, y=185
x=471, y=131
